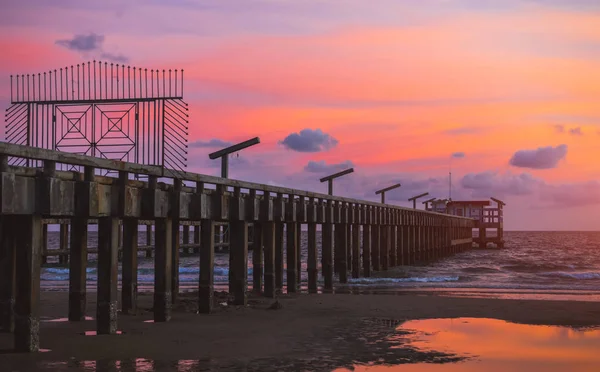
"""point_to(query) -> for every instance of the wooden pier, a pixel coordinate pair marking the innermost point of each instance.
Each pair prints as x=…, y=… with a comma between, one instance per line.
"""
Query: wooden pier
x=358, y=237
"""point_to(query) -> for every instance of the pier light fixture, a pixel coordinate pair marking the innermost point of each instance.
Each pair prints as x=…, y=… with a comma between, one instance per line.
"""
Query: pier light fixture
x=414, y=199
x=330, y=178
x=224, y=154
x=383, y=191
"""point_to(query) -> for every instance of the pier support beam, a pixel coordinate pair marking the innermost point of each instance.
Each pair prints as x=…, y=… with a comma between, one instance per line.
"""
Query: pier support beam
x=106, y=308
x=384, y=254
x=356, y=251
x=298, y=255
x=327, y=256
x=348, y=245
x=257, y=259
x=77, y=269
x=406, y=256
x=63, y=243
x=7, y=275
x=162, y=270
x=375, y=247
x=366, y=238
x=130, y=266
x=28, y=236
x=196, y=239
x=177, y=184
x=291, y=255
x=341, y=242
x=279, y=235
x=207, y=267
x=311, y=264
x=44, y=243
x=393, y=246
x=268, y=233
x=238, y=249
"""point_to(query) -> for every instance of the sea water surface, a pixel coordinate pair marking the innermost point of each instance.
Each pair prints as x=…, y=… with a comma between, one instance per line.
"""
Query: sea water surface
x=532, y=265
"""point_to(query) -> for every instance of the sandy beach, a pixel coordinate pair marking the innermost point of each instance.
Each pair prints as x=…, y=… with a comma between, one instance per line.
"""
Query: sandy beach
x=309, y=332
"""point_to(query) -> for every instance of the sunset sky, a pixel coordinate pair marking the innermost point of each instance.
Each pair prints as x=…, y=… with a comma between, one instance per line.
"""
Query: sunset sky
x=505, y=92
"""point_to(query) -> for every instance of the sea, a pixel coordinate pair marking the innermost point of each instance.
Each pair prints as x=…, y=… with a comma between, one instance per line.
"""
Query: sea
x=533, y=265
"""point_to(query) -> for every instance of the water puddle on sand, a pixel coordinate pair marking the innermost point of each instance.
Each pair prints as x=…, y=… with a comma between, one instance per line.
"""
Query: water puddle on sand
x=495, y=345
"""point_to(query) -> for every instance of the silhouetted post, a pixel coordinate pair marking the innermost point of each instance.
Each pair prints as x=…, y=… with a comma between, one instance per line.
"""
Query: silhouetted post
x=356, y=251
x=77, y=268
x=327, y=248
x=44, y=243
x=27, y=232
x=238, y=248
x=207, y=267
x=311, y=262
x=162, y=269
x=291, y=241
x=224, y=154
x=149, y=240
x=7, y=274
x=257, y=258
x=63, y=243
x=130, y=266
x=366, y=238
x=279, y=246
x=177, y=184
x=106, y=308
x=268, y=232
x=196, y=239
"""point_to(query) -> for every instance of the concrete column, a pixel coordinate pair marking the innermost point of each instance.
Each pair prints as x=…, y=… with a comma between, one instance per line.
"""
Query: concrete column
x=366, y=238
x=196, y=239
x=268, y=233
x=394, y=246
x=327, y=256
x=130, y=266
x=384, y=250
x=44, y=243
x=356, y=251
x=311, y=262
x=375, y=247
x=291, y=255
x=106, y=308
x=207, y=267
x=348, y=246
x=149, y=240
x=279, y=235
x=162, y=270
x=175, y=260
x=238, y=249
x=298, y=254
x=27, y=232
x=341, y=242
x=77, y=269
x=64, y=243
x=7, y=275
x=257, y=259
x=186, y=234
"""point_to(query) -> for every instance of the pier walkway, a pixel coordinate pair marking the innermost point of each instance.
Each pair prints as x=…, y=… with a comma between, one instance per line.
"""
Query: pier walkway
x=358, y=237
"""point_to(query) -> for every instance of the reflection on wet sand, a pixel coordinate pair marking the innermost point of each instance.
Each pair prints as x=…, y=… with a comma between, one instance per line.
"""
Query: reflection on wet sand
x=495, y=345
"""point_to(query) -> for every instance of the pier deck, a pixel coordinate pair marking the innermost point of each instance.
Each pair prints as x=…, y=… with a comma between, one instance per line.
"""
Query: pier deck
x=358, y=237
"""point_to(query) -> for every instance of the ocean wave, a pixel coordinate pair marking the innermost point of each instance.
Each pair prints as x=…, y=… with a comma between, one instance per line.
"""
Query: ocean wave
x=438, y=279
x=578, y=276
x=537, y=267
x=480, y=270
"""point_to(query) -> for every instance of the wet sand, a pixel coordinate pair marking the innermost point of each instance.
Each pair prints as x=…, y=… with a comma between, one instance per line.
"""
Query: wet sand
x=310, y=332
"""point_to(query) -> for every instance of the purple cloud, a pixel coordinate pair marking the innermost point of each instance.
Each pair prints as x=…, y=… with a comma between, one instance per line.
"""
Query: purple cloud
x=309, y=140
x=576, y=131
x=559, y=128
x=322, y=167
x=487, y=184
x=82, y=43
x=541, y=158
x=571, y=195
x=458, y=155
x=215, y=142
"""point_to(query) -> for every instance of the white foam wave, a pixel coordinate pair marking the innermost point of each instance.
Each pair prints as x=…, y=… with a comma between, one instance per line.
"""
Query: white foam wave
x=579, y=276
x=438, y=279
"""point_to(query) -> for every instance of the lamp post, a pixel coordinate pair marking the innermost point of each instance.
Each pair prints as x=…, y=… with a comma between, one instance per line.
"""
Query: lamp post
x=414, y=199
x=383, y=191
x=224, y=154
x=330, y=179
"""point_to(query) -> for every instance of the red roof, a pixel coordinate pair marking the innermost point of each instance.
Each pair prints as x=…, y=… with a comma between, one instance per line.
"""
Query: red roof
x=467, y=202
